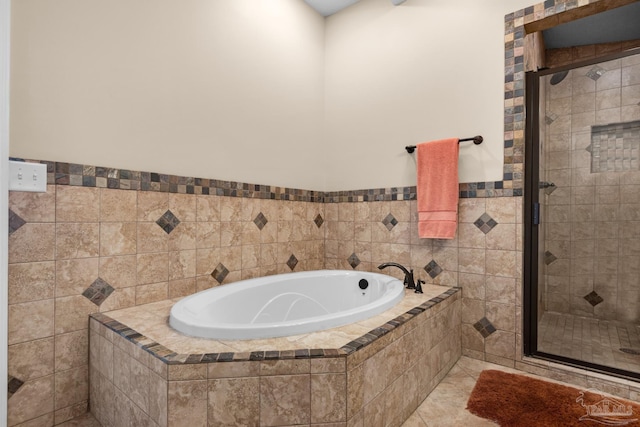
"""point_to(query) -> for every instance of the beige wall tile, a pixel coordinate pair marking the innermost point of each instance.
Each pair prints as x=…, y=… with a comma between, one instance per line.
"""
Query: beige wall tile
x=285, y=400
x=502, y=316
x=72, y=313
x=355, y=390
x=31, y=281
x=151, y=238
x=182, y=264
x=375, y=376
x=71, y=350
x=30, y=320
x=473, y=285
x=182, y=287
x=153, y=268
x=139, y=384
x=234, y=401
x=128, y=413
x=187, y=403
x=152, y=205
x=152, y=292
x=501, y=263
x=118, y=271
x=471, y=260
x=328, y=398
x=158, y=399
x=328, y=365
x=71, y=387
x=32, y=359
x=208, y=235
x=183, y=206
x=77, y=204
x=501, y=289
x=207, y=208
x=118, y=205
x=187, y=372
x=77, y=240
x=183, y=237
x=285, y=367
x=501, y=343
x=374, y=412
x=32, y=242
x=34, y=207
x=118, y=238
x=20, y=407
x=70, y=412
x=73, y=276
x=231, y=209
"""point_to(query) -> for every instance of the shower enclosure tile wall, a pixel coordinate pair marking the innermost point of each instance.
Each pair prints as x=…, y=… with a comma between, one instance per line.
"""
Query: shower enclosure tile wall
x=593, y=225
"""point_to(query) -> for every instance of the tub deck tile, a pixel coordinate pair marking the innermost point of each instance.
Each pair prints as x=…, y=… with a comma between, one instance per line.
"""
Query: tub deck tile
x=146, y=325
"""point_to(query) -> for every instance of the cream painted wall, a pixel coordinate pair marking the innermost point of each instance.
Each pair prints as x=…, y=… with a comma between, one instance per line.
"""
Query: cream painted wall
x=263, y=92
x=229, y=90
x=401, y=75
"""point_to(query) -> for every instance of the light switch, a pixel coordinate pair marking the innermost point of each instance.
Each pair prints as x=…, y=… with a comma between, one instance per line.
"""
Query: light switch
x=25, y=176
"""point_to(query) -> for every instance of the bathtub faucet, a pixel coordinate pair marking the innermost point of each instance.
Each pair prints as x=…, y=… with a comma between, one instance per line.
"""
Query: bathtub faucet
x=408, y=276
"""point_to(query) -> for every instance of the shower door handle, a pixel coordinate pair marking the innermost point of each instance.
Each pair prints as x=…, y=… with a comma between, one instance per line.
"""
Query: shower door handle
x=536, y=213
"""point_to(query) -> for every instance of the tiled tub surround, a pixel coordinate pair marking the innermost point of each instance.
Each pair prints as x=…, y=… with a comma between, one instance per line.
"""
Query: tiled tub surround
x=77, y=250
x=374, y=372
x=80, y=250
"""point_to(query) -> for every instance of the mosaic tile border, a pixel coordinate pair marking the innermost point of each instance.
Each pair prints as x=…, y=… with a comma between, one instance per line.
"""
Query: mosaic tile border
x=60, y=173
x=170, y=357
x=538, y=15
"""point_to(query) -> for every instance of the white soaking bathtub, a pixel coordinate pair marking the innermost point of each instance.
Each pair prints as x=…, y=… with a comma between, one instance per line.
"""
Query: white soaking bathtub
x=285, y=304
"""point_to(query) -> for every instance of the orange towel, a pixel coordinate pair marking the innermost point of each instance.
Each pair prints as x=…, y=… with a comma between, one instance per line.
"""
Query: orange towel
x=437, y=189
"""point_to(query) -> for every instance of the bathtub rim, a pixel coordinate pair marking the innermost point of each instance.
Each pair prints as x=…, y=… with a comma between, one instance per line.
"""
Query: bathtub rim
x=181, y=319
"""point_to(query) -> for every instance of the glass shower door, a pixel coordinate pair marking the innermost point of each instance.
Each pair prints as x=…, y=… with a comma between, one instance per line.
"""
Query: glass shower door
x=583, y=238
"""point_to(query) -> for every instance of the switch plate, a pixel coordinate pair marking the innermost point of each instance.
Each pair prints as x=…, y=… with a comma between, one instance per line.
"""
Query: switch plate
x=25, y=176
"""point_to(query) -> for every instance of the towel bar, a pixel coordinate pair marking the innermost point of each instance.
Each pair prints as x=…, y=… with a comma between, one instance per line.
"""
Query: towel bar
x=476, y=140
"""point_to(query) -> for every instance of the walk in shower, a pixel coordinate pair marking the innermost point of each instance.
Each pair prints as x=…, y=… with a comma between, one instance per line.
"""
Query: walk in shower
x=582, y=197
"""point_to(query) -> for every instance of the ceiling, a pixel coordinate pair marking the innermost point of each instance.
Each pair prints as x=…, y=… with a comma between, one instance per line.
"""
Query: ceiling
x=329, y=7
x=619, y=24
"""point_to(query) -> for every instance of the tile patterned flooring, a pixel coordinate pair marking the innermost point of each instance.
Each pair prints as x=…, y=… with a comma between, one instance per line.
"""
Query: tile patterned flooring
x=591, y=340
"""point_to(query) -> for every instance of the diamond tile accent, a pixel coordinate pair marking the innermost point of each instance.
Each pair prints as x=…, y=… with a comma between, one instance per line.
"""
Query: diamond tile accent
x=549, y=257
x=593, y=298
x=390, y=221
x=318, y=220
x=550, y=118
x=260, y=221
x=168, y=222
x=15, y=222
x=433, y=269
x=485, y=327
x=13, y=385
x=353, y=260
x=219, y=273
x=595, y=73
x=98, y=291
x=292, y=262
x=485, y=223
